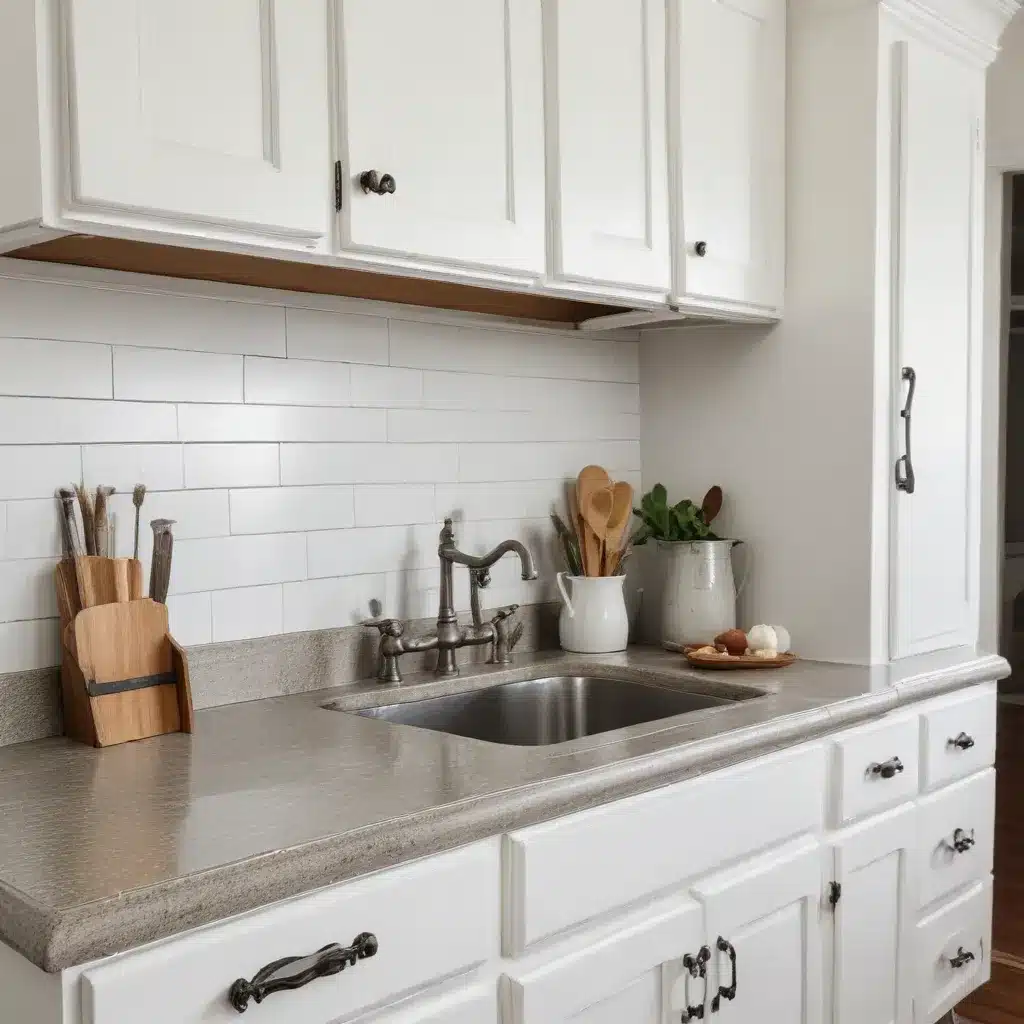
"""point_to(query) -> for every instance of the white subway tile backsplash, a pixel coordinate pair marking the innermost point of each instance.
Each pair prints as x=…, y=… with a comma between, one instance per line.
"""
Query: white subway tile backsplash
x=450, y=390
x=159, y=466
x=27, y=589
x=36, y=471
x=54, y=369
x=539, y=461
x=439, y=425
x=394, y=504
x=368, y=463
x=232, y=465
x=331, y=603
x=195, y=514
x=118, y=316
x=429, y=346
x=29, y=644
x=338, y=337
x=191, y=618
x=162, y=375
x=81, y=421
x=371, y=550
x=3, y=532
x=224, y=562
x=32, y=529
x=291, y=509
x=520, y=499
x=386, y=386
x=247, y=612
x=297, y=382
x=279, y=423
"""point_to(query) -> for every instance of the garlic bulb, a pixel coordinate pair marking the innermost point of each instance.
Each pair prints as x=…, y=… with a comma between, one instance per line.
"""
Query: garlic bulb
x=783, y=637
x=762, y=638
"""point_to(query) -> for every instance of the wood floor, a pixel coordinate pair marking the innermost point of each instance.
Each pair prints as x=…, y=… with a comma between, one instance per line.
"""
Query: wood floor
x=1001, y=1001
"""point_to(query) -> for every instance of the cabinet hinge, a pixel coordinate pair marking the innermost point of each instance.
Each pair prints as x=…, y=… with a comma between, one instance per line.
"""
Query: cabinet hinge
x=337, y=184
x=835, y=891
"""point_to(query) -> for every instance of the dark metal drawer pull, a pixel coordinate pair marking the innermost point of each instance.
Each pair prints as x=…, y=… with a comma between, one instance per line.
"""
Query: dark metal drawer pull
x=962, y=841
x=725, y=991
x=887, y=769
x=963, y=741
x=963, y=956
x=697, y=967
x=296, y=971
x=905, y=464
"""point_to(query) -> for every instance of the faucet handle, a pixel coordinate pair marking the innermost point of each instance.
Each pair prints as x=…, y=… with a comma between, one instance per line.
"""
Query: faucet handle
x=387, y=627
x=504, y=613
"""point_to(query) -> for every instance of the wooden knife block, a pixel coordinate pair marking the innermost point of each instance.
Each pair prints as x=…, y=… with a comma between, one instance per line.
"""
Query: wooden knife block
x=123, y=676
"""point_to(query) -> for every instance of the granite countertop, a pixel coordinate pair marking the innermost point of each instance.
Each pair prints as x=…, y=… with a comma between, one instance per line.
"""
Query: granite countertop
x=103, y=850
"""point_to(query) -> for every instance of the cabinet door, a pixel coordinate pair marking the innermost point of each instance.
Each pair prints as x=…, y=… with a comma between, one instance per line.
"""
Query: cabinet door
x=475, y=1005
x=763, y=928
x=729, y=87
x=447, y=98
x=211, y=113
x=872, y=966
x=936, y=202
x=615, y=977
x=608, y=165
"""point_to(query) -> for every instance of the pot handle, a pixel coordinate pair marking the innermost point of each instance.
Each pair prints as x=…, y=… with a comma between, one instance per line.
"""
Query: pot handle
x=746, y=565
x=560, y=580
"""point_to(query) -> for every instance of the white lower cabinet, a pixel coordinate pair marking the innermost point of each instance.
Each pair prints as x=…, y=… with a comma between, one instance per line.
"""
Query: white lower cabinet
x=762, y=925
x=871, y=876
x=614, y=978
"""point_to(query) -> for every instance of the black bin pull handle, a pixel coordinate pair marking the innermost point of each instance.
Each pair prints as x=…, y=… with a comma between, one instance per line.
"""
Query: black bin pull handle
x=696, y=967
x=725, y=991
x=905, y=464
x=296, y=971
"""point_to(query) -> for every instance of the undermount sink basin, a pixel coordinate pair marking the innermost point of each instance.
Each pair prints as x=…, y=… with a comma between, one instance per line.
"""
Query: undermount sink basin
x=541, y=712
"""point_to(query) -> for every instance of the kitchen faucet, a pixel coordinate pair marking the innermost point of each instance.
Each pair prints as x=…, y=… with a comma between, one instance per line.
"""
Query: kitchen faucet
x=450, y=635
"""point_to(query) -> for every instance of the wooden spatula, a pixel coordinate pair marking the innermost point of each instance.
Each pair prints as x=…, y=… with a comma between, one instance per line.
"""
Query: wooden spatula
x=622, y=509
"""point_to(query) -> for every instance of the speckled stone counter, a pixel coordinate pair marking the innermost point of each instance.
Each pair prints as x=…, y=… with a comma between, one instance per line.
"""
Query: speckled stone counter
x=103, y=850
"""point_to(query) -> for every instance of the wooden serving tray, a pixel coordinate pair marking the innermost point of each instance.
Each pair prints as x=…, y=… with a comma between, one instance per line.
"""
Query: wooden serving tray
x=736, y=661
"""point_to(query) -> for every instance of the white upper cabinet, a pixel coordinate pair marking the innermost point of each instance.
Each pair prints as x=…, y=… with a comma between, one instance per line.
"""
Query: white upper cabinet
x=936, y=205
x=445, y=98
x=201, y=113
x=607, y=158
x=728, y=93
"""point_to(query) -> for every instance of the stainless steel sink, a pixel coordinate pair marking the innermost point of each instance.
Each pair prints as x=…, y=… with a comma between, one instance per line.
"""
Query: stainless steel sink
x=540, y=712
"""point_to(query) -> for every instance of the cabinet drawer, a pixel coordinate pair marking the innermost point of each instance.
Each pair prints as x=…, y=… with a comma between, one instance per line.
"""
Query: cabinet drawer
x=955, y=828
x=567, y=871
x=409, y=909
x=874, y=767
x=958, y=736
x=953, y=947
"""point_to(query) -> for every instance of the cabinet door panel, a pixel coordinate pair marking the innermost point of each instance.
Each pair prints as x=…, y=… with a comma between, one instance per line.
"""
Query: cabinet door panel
x=873, y=920
x=606, y=140
x=210, y=112
x=730, y=150
x=447, y=97
x=935, y=202
x=770, y=914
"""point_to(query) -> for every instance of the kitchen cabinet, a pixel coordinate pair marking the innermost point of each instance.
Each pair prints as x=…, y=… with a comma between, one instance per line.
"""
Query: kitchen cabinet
x=728, y=102
x=606, y=151
x=446, y=100
x=616, y=977
x=871, y=890
x=762, y=925
x=199, y=114
x=936, y=217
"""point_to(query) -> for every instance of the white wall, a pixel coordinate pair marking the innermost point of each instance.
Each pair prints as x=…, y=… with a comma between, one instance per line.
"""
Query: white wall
x=307, y=446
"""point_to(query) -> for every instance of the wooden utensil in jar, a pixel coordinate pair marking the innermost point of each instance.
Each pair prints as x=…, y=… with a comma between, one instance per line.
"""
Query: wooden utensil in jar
x=622, y=509
x=597, y=511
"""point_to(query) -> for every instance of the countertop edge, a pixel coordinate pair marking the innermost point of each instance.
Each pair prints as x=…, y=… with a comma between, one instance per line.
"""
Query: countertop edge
x=57, y=940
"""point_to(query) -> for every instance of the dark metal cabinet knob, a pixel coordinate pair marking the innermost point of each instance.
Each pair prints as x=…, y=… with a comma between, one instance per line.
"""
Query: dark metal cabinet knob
x=962, y=840
x=963, y=741
x=887, y=769
x=963, y=956
x=381, y=185
x=295, y=971
x=700, y=248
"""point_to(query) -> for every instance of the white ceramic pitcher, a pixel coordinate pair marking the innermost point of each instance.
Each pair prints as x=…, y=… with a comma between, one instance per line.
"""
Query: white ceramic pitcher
x=593, y=618
x=700, y=591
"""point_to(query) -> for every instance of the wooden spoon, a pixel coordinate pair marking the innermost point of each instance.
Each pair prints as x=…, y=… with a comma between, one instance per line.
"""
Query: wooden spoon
x=598, y=510
x=590, y=479
x=622, y=508
x=712, y=504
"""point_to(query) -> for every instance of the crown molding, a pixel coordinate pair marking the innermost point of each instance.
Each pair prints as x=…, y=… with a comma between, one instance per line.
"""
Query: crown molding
x=971, y=27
